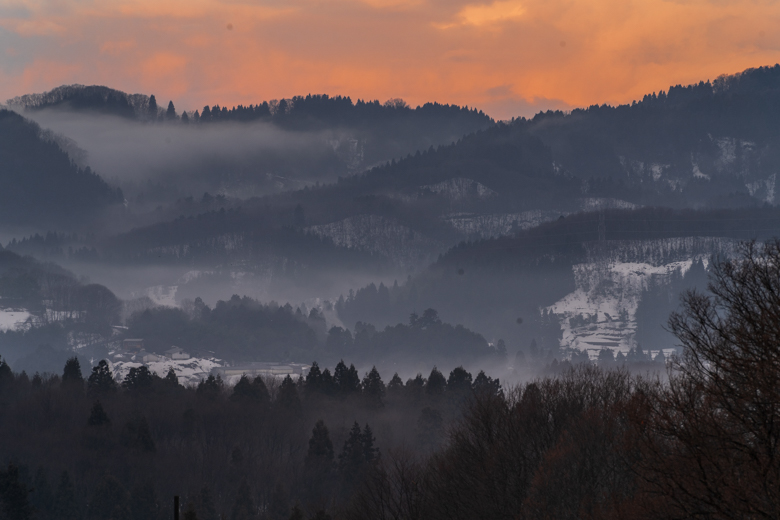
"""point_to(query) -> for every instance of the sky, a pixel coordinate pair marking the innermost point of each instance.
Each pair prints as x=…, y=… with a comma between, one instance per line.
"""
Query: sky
x=506, y=57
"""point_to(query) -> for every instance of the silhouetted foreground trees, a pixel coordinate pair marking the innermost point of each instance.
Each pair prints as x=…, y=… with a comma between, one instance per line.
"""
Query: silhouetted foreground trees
x=590, y=443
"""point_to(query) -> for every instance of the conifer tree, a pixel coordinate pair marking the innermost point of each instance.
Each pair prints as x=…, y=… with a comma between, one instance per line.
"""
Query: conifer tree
x=288, y=398
x=98, y=416
x=396, y=386
x=313, y=381
x=319, y=457
x=370, y=453
x=436, y=383
x=171, y=378
x=152, y=111
x=170, y=113
x=374, y=388
x=138, y=379
x=71, y=375
x=101, y=381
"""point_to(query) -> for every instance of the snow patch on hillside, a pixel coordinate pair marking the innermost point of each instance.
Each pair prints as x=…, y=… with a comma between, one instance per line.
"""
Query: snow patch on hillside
x=188, y=371
x=763, y=189
x=12, y=319
x=601, y=312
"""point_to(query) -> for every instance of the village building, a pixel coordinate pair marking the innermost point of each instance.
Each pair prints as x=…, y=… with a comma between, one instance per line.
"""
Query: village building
x=133, y=345
x=176, y=353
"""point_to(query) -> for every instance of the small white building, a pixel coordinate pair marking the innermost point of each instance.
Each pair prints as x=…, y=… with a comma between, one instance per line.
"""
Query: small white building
x=176, y=353
x=148, y=357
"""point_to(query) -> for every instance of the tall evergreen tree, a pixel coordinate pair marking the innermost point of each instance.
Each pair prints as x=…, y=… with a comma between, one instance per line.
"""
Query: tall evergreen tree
x=288, y=398
x=152, y=109
x=98, y=416
x=170, y=113
x=436, y=383
x=319, y=457
x=101, y=381
x=374, y=388
x=72, y=379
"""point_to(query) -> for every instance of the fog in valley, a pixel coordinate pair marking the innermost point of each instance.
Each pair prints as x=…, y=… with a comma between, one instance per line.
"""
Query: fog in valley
x=325, y=308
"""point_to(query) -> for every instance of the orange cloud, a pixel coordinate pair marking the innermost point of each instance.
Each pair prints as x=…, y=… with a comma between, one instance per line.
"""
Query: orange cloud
x=511, y=57
x=487, y=14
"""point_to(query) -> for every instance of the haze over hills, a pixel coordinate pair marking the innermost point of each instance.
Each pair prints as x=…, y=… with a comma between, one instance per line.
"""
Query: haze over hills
x=158, y=155
x=371, y=236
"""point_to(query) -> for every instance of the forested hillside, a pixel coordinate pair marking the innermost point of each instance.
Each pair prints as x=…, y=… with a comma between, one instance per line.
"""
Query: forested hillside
x=41, y=185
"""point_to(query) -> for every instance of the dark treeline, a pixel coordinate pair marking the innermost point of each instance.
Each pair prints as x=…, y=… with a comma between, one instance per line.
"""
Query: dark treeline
x=41, y=185
x=488, y=284
x=243, y=329
x=667, y=126
x=588, y=443
x=100, y=449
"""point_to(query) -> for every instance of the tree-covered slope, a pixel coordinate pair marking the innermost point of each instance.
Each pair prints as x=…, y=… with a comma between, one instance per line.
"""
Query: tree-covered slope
x=41, y=185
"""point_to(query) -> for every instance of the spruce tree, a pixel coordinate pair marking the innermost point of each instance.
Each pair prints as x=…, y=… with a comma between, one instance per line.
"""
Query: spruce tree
x=171, y=379
x=370, y=453
x=374, y=388
x=152, y=110
x=436, y=383
x=72, y=379
x=288, y=399
x=98, y=416
x=319, y=458
x=170, y=113
x=101, y=381
x=313, y=381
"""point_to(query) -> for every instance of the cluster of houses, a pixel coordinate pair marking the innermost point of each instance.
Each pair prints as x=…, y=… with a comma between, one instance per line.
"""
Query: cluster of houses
x=135, y=349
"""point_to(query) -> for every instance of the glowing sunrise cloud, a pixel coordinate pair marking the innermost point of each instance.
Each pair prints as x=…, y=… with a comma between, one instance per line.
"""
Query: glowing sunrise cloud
x=508, y=57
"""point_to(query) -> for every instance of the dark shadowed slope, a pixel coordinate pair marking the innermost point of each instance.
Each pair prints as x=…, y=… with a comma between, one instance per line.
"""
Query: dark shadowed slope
x=40, y=184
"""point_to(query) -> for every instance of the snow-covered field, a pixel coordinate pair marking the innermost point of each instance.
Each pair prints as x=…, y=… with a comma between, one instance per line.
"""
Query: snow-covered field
x=10, y=319
x=611, y=291
x=189, y=371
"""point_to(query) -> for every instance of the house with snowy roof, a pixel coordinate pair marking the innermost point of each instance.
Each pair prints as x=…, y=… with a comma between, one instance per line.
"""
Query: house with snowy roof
x=176, y=353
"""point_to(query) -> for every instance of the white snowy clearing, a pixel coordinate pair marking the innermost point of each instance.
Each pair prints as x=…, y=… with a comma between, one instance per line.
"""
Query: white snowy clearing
x=189, y=371
x=11, y=319
x=611, y=291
